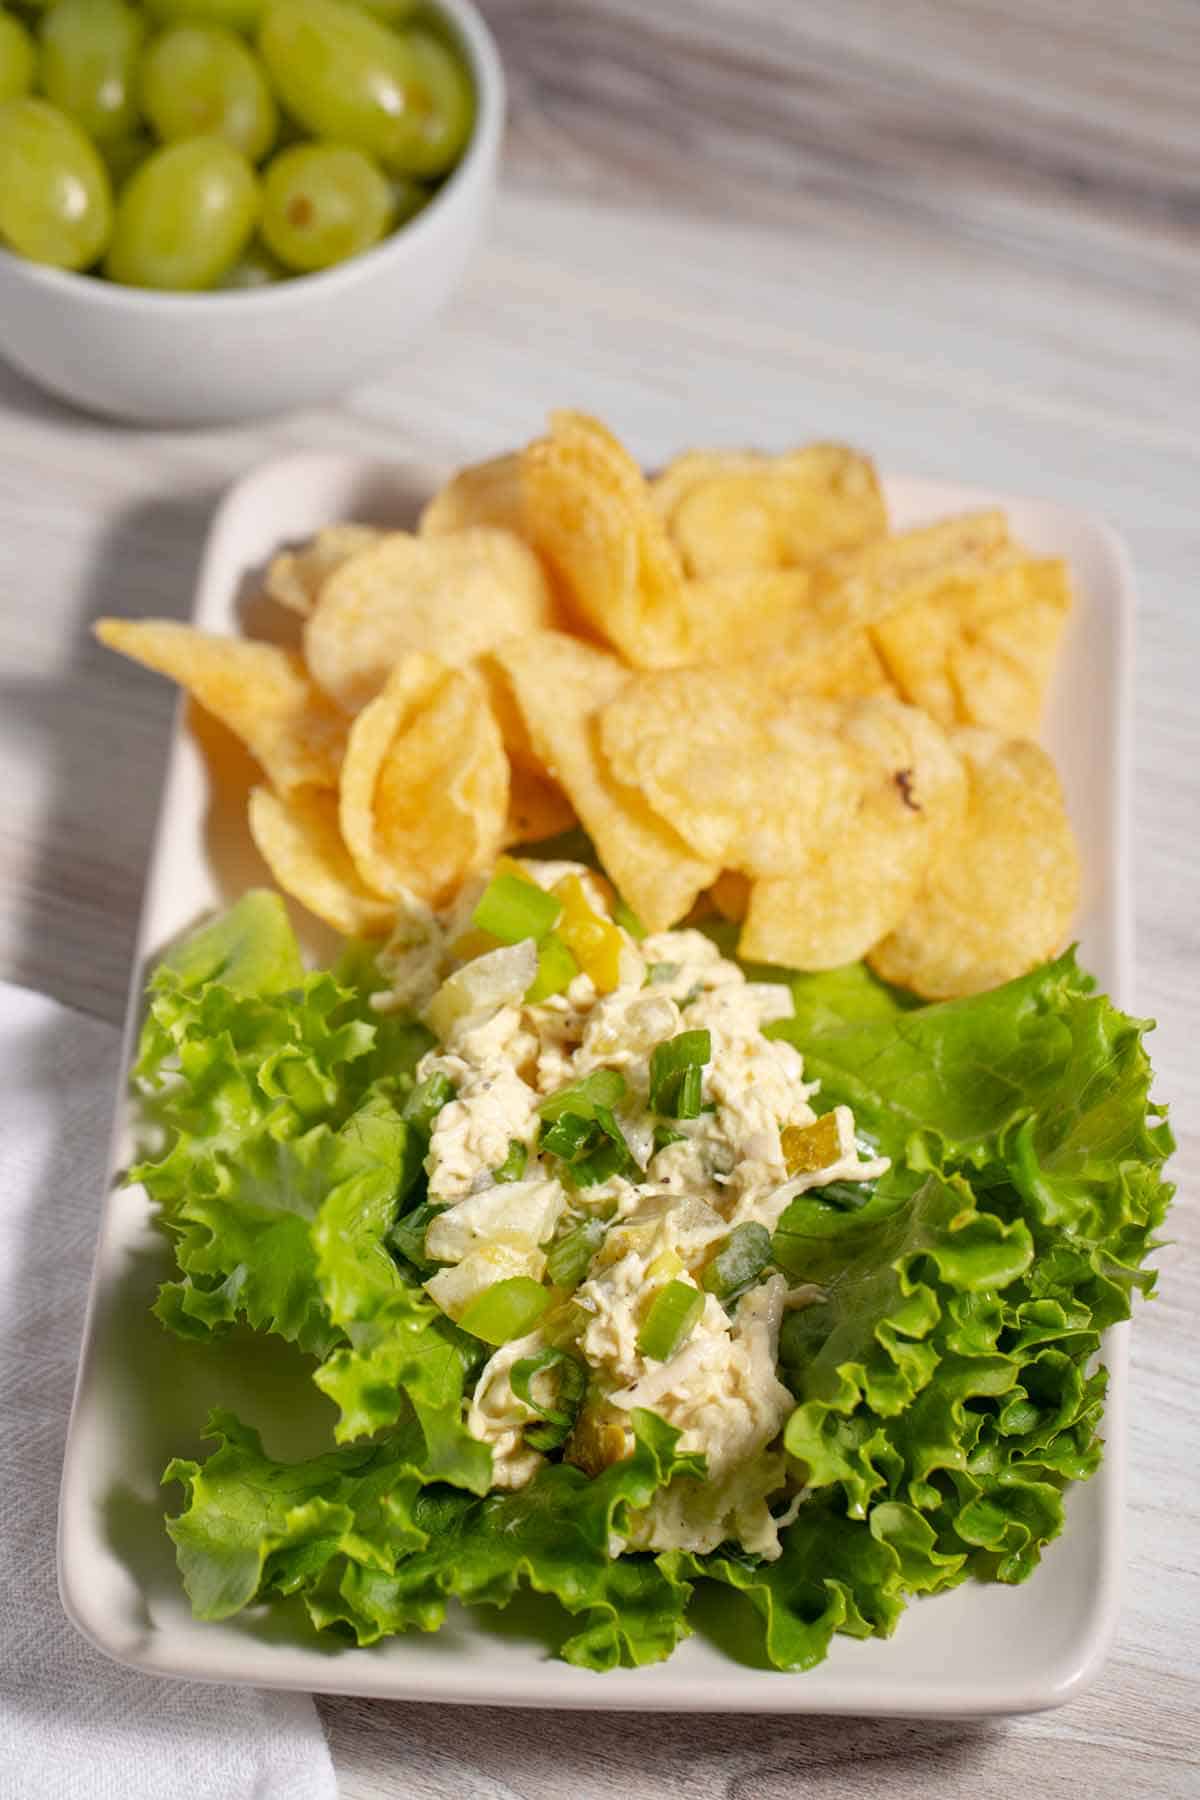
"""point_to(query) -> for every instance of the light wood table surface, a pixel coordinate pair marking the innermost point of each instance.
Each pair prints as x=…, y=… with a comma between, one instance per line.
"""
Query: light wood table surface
x=965, y=237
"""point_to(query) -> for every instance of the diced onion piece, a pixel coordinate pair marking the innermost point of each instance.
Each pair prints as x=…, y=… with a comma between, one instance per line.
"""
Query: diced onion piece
x=488, y=983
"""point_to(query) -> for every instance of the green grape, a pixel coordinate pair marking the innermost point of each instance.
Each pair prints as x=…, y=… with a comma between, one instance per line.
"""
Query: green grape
x=323, y=203
x=90, y=50
x=239, y=15
x=202, y=81
x=55, y=194
x=442, y=111
x=18, y=58
x=401, y=96
x=392, y=12
x=409, y=197
x=255, y=268
x=184, y=217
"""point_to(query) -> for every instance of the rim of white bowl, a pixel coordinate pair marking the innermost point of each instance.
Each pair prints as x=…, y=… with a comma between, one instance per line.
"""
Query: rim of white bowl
x=487, y=72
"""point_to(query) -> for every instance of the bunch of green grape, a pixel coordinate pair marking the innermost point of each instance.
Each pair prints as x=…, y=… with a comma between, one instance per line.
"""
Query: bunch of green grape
x=191, y=144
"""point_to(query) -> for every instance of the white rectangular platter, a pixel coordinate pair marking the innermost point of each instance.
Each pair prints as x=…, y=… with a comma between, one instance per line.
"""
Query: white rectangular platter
x=142, y=1395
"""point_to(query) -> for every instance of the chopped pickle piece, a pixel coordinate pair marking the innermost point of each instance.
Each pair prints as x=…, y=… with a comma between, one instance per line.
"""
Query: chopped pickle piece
x=601, y=1436
x=809, y=1147
x=594, y=942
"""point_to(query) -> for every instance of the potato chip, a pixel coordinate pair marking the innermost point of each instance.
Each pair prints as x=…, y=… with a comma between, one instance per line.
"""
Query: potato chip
x=838, y=663
x=298, y=838
x=1001, y=895
x=587, y=510
x=295, y=577
x=742, y=510
x=263, y=694
x=559, y=683
x=730, y=894
x=857, y=587
x=748, y=778
x=1030, y=630
x=978, y=647
x=424, y=788
x=856, y=887
x=486, y=493
x=743, y=613
x=451, y=597
x=693, y=469
x=537, y=807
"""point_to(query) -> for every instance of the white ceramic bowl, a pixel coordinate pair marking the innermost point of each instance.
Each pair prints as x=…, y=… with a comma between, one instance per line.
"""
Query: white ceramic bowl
x=197, y=359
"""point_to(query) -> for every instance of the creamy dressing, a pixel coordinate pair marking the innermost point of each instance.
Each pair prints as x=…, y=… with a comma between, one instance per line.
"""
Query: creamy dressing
x=665, y=1217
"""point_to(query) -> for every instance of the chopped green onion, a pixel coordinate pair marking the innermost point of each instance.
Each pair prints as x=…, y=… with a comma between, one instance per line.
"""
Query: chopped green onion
x=506, y=1310
x=570, y=1137
x=427, y=1100
x=603, y=1087
x=592, y=1148
x=572, y=1385
x=658, y=973
x=739, y=1262
x=627, y=919
x=513, y=909
x=513, y=1166
x=665, y=1135
x=407, y=1236
x=578, y=1120
x=676, y=1074
x=556, y=969
x=612, y=1156
x=673, y=1313
x=847, y=1196
x=568, y=1260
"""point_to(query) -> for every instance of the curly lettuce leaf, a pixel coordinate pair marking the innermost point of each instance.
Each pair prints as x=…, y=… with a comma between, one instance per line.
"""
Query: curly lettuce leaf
x=374, y=1548
x=249, y=1091
x=253, y=1526
x=401, y=1351
x=946, y=1387
x=947, y=1370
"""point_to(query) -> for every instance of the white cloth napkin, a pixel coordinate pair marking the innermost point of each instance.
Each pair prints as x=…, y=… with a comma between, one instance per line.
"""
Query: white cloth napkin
x=74, y=1726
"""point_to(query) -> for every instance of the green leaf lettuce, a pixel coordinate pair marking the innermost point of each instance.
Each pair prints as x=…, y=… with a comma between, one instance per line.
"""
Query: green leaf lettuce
x=946, y=1383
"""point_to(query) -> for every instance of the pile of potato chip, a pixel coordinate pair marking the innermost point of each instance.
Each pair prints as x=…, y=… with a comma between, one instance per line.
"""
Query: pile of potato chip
x=753, y=697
